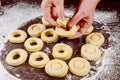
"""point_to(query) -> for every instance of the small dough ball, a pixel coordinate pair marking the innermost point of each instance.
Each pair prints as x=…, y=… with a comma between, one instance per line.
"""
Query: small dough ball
x=35, y=30
x=90, y=52
x=33, y=44
x=95, y=39
x=64, y=33
x=62, y=23
x=56, y=68
x=62, y=51
x=49, y=36
x=38, y=59
x=79, y=66
x=90, y=29
x=46, y=23
x=17, y=36
x=16, y=57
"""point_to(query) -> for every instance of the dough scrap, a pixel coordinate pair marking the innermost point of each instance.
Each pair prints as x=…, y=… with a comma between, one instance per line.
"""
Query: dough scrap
x=63, y=23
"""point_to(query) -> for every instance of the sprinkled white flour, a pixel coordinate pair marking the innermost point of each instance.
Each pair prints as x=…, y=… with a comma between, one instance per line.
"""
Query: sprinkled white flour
x=22, y=12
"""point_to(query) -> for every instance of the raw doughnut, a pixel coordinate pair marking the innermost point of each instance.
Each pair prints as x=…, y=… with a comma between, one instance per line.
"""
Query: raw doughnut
x=45, y=22
x=17, y=36
x=16, y=57
x=90, y=52
x=33, y=44
x=79, y=66
x=56, y=68
x=62, y=51
x=63, y=33
x=35, y=30
x=49, y=36
x=35, y=62
x=62, y=23
x=95, y=38
x=90, y=29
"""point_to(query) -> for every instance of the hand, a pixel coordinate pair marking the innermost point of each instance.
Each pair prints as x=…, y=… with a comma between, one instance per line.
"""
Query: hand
x=83, y=16
x=53, y=9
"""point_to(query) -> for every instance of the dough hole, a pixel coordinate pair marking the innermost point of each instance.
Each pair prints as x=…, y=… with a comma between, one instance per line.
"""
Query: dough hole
x=61, y=51
x=16, y=56
x=17, y=35
x=49, y=34
x=39, y=59
x=33, y=43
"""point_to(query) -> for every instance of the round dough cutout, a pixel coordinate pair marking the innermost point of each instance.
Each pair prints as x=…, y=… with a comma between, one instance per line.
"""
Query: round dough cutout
x=62, y=51
x=79, y=66
x=16, y=57
x=17, y=36
x=56, y=68
x=35, y=30
x=38, y=59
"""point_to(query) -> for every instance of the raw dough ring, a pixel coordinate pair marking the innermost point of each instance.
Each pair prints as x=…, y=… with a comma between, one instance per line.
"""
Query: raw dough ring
x=20, y=54
x=62, y=51
x=56, y=68
x=35, y=30
x=62, y=23
x=38, y=63
x=45, y=22
x=79, y=66
x=95, y=38
x=90, y=52
x=33, y=44
x=49, y=36
x=17, y=36
x=63, y=33
x=90, y=29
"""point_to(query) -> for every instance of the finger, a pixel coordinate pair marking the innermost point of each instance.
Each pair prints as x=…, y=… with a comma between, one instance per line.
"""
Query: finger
x=47, y=15
x=54, y=12
x=60, y=10
x=77, y=35
x=85, y=27
x=75, y=19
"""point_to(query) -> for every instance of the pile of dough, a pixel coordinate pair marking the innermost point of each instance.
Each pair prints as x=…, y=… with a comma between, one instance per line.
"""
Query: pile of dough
x=49, y=36
x=90, y=52
x=56, y=68
x=64, y=33
x=95, y=38
x=90, y=29
x=17, y=36
x=35, y=30
x=62, y=51
x=33, y=44
x=45, y=22
x=79, y=66
x=62, y=23
x=38, y=63
x=16, y=57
